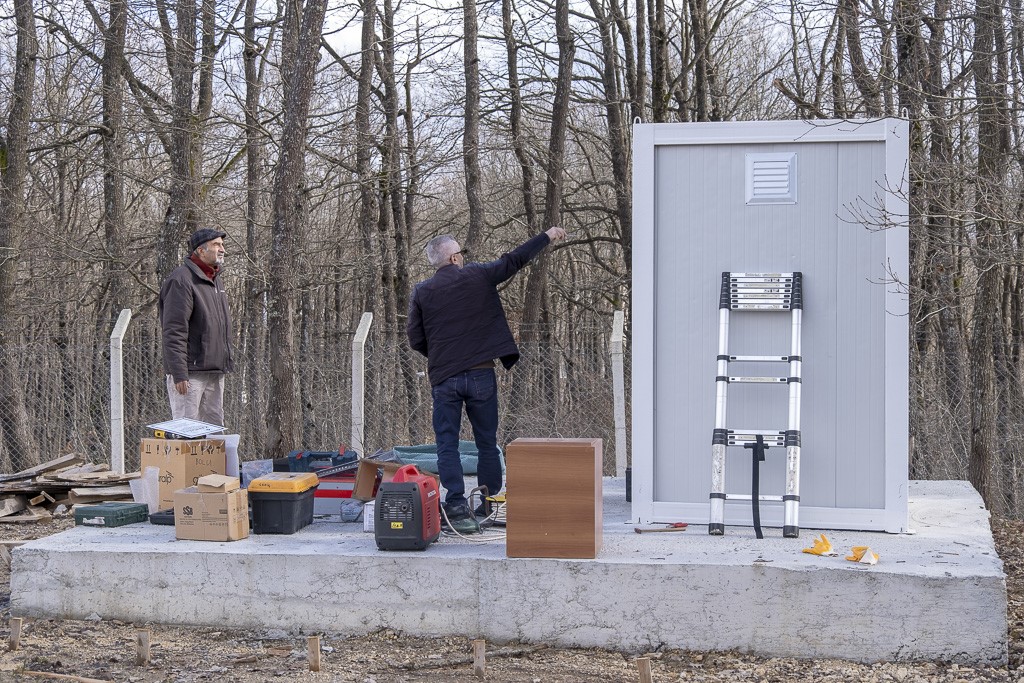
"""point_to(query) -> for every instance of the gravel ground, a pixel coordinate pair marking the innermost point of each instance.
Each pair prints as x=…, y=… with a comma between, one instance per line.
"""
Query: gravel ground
x=105, y=650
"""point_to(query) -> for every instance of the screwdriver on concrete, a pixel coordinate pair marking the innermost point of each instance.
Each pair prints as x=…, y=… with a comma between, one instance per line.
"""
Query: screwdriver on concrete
x=674, y=526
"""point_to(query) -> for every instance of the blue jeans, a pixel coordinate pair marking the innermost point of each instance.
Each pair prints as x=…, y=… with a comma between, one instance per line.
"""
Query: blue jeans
x=477, y=390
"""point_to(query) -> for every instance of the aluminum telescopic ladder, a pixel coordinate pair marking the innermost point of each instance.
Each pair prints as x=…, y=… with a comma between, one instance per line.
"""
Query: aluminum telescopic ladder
x=758, y=293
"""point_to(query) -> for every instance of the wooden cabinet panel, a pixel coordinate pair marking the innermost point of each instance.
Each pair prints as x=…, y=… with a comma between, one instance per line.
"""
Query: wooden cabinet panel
x=554, y=498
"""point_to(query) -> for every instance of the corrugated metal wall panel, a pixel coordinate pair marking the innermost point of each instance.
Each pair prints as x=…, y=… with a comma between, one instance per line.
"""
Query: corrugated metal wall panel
x=704, y=227
x=860, y=372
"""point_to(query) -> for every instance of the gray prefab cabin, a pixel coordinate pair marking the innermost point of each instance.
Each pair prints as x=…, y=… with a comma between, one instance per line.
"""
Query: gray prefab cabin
x=827, y=200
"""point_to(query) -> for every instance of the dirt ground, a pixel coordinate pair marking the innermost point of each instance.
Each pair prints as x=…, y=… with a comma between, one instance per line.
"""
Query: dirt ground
x=106, y=651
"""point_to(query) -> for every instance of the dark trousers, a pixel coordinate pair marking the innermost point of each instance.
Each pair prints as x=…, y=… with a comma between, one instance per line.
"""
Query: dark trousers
x=477, y=391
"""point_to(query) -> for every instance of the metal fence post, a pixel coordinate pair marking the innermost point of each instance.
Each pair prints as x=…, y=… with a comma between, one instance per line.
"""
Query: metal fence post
x=117, y=392
x=619, y=389
x=358, y=380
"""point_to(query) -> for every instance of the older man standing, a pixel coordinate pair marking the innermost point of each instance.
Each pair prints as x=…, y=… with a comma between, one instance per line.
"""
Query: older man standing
x=196, y=325
x=457, y=321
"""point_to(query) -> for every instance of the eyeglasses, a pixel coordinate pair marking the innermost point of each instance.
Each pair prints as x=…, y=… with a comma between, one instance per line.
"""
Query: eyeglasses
x=464, y=251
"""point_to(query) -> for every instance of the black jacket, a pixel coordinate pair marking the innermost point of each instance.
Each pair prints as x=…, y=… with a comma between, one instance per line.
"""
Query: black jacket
x=196, y=323
x=456, y=318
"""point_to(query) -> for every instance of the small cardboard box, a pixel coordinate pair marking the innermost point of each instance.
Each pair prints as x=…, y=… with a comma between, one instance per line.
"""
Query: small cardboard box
x=216, y=509
x=370, y=473
x=182, y=462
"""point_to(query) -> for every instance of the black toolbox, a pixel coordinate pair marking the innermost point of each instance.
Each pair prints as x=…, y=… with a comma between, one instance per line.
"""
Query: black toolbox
x=282, y=502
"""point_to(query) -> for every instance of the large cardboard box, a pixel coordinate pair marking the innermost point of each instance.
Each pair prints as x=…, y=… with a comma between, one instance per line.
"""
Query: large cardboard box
x=182, y=462
x=216, y=509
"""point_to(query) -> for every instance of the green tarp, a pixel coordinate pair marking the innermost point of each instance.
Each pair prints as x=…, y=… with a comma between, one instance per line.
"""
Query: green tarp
x=425, y=456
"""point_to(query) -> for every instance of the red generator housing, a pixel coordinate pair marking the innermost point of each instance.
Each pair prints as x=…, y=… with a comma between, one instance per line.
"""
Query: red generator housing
x=407, y=514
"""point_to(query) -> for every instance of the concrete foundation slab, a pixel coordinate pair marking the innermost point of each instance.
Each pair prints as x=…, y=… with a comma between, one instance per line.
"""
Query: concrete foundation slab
x=939, y=593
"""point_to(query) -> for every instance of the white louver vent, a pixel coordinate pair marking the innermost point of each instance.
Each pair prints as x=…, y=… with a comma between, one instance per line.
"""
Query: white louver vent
x=771, y=178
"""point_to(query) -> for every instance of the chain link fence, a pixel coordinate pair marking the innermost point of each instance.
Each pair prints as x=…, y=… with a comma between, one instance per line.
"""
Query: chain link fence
x=61, y=397
x=942, y=414
x=56, y=400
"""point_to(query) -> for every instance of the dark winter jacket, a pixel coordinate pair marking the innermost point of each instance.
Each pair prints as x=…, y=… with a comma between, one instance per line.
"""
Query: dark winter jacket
x=196, y=323
x=456, y=318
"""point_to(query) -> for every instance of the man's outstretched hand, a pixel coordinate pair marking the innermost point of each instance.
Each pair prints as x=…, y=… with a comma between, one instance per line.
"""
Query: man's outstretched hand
x=555, y=234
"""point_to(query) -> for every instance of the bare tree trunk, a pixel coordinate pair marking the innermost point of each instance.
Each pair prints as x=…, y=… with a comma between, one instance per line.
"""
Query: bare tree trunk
x=392, y=225
x=839, y=108
x=113, y=160
x=471, y=126
x=15, y=431
x=992, y=155
x=301, y=47
x=705, y=105
x=659, y=60
x=618, y=134
x=402, y=203
x=635, y=75
x=909, y=65
x=536, y=286
x=868, y=85
x=254, y=302
x=180, y=218
x=365, y=144
x=515, y=114
x=940, y=214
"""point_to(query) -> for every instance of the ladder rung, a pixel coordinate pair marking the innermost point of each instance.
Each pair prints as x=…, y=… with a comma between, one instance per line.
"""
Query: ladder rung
x=758, y=380
x=747, y=496
x=773, y=277
x=754, y=288
x=759, y=307
x=770, y=440
x=760, y=359
x=760, y=286
x=759, y=298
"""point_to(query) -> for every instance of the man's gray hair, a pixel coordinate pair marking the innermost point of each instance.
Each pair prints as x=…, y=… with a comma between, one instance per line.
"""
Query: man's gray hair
x=440, y=249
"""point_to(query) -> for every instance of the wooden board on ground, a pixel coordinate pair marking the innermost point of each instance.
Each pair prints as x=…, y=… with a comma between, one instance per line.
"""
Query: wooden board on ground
x=101, y=478
x=56, y=463
x=31, y=486
x=73, y=472
x=43, y=498
x=11, y=504
x=99, y=493
x=30, y=514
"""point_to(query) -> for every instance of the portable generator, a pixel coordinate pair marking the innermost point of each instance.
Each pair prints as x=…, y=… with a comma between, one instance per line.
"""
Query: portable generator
x=407, y=515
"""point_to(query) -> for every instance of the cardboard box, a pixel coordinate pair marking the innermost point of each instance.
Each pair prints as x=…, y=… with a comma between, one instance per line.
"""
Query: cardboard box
x=216, y=509
x=182, y=462
x=370, y=473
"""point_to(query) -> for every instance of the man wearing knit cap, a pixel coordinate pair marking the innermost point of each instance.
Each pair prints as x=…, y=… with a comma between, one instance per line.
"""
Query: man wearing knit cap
x=196, y=325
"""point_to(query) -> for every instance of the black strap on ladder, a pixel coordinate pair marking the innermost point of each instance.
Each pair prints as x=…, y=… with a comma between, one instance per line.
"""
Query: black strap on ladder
x=759, y=448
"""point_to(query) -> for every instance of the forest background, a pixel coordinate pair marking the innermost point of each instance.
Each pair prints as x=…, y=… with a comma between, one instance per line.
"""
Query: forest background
x=332, y=142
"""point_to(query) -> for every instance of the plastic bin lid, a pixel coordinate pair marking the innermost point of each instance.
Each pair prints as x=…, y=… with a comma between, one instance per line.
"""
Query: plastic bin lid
x=284, y=482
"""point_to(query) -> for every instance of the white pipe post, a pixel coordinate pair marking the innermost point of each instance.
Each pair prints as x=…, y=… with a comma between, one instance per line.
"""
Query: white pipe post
x=117, y=392
x=619, y=389
x=358, y=381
